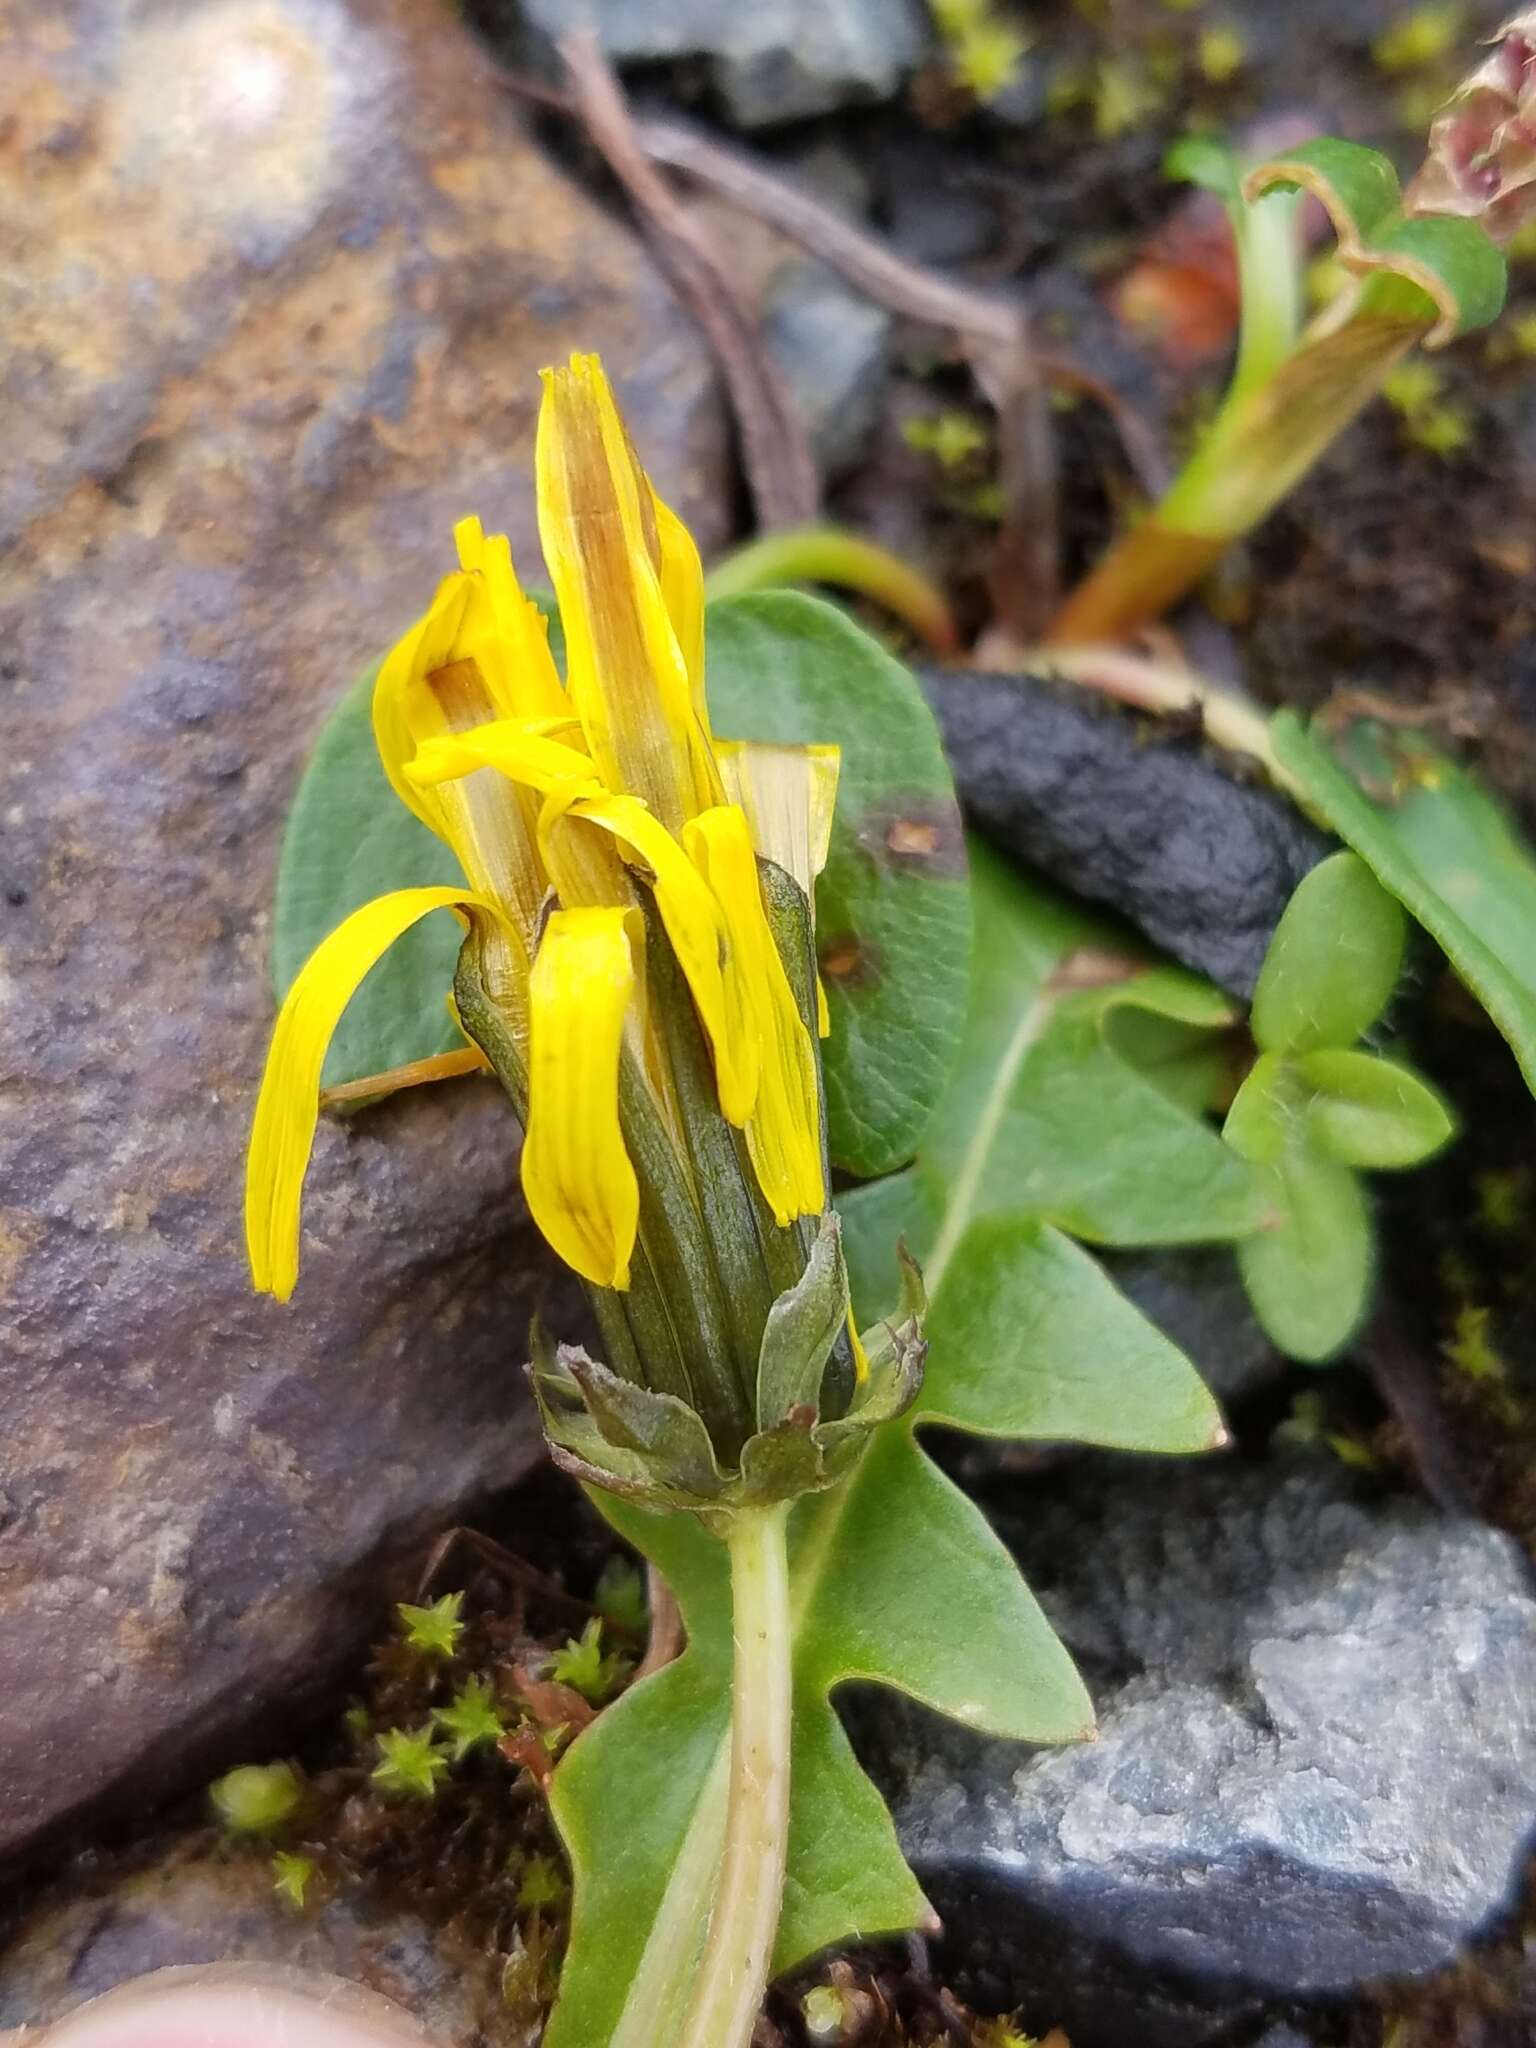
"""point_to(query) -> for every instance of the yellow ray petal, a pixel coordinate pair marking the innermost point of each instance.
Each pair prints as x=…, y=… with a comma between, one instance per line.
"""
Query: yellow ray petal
x=701, y=938
x=784, y=1130
x=577, y=1176
x=522, y=749
x=628, y=674
x=283, y=1129
x=789, y=795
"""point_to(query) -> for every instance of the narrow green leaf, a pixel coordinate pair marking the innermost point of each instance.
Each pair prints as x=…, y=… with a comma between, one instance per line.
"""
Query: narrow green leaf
x=1357, y=186
x=1309, y=1275
x=348, y=839
x=1444, y=848
x=892, y=909
x=1372, y=1112
x=1333, y=962
x=1438, y=268
x=1206, y=161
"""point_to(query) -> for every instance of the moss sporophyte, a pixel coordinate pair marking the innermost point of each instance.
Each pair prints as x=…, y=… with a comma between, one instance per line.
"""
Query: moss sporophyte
x=638, y=970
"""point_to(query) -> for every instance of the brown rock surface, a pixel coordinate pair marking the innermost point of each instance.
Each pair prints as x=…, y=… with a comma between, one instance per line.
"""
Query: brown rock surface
x=276, y=277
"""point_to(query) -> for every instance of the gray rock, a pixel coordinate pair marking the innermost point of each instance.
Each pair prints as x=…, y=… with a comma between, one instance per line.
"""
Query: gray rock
x=773, y=60
x=196, y=1905
x=1195, y=1295
x=285, y=273
x=1316, y=1763
x=1127, y=815
x=832, y=345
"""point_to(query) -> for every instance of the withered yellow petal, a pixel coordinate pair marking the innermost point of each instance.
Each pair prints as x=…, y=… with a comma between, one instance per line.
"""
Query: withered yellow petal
x=628, y=674
x=577, y=1175
x=504, y=632
x=789, y=795
x=287, y=1108
x=682, y=591
x=784, y=1130
x=696, y=925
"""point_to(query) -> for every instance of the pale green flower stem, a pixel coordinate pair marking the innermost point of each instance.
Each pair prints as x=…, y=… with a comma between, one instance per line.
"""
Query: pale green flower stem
x=738, y=1948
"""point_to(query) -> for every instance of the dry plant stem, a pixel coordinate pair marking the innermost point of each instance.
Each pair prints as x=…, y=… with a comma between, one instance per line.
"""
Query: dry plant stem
x=666, y=1638
x=1165, y=687
x=738, y=1948
x=776, y=450
x=989, y=325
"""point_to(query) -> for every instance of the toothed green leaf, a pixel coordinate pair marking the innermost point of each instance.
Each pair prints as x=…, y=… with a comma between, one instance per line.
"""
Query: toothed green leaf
x=1027, y=1339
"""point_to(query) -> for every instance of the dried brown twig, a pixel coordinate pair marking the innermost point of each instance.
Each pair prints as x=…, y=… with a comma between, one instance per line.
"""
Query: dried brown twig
x=776, y=450
x=992, y=329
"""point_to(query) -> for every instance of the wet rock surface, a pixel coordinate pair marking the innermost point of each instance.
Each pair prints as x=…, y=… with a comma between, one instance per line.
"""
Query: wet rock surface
x=771, y=61
x=197, y=1904
x=1316, y=1764
x=1106, y=806
x=288, y=271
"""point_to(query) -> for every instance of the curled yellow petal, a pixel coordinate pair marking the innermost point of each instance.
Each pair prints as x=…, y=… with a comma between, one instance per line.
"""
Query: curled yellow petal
x=577, y=1175
x=404, y=711
x=523, y=749
x=628, y=672
x=283, y=1129
x=696, y=924
x=783, y=1131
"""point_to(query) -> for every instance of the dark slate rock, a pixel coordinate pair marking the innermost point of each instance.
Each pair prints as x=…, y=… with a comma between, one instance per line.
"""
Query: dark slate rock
x=273, y=325
x=1121, y=812
x=833, y=346
x=1316, y=1763
x=1196, y=1297
x=773, y=60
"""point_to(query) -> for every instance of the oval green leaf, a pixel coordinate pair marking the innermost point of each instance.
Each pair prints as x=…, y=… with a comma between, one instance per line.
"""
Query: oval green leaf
x=1372, y=1112
x=1333, y=962
x=1309, y=1274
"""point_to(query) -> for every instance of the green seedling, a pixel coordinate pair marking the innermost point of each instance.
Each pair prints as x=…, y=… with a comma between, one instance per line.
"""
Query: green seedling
x=472, y=1719
x=984, y=51
x=410, y=1763
x=586, y=1667
x=620, y=1597
x=292, y=1876
x=1424, y=267
x=1315, y=1110
x=255, y=1799
x=433, y=1631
